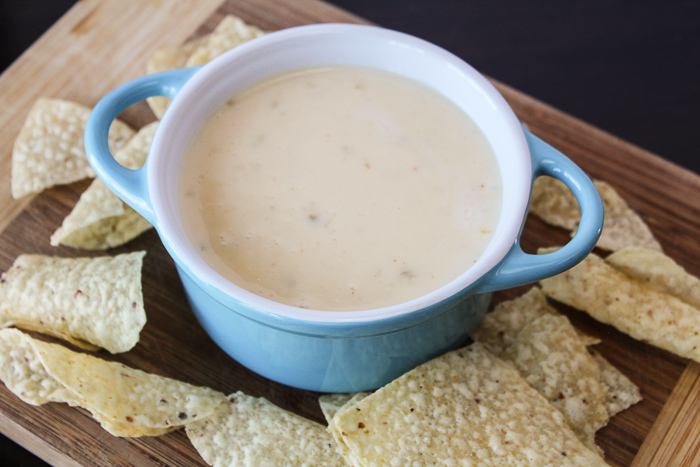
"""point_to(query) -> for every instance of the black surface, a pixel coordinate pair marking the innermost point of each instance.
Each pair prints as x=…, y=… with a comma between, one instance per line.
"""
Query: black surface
x=631, y=68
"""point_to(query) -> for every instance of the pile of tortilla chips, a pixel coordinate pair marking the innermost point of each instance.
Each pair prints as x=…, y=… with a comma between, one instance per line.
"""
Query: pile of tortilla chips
x=637, y=289
x=50, y=151
x=529, y=392
x=466, y=407
x=659, y=305
x=555, y=359
x=126, y=402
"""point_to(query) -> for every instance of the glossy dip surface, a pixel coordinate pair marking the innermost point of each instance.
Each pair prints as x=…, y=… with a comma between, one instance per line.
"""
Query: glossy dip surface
x=339, y=189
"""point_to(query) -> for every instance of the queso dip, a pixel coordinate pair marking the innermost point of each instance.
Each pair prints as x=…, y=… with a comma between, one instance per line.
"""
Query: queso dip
x=339, y=189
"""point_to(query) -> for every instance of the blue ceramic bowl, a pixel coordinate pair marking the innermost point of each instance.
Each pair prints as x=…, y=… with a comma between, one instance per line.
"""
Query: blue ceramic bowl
x=340, y=351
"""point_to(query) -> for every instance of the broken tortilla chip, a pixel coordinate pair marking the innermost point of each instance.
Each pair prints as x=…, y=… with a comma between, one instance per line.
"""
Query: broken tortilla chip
x=100, y=220
x=126, y=401
x=657, y=271
x=253, y=431
x=551, y=358
x=96, y=301
x=466, y=405
x=612, y=297
x=554, y=203
x=49, y=149
x=231, y=32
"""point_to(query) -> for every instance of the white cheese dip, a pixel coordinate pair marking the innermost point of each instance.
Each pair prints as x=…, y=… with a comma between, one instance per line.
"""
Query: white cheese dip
x=339, y=189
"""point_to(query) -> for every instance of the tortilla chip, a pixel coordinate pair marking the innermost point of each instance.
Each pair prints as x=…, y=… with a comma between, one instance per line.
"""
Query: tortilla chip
x=23, y=373
x=94, y=300
x=500, y=328
x=659, y=272
x=552, y=359
x=100, y=220
x=231, y=32
x=126, y=401
x=614, y=298
x=169, y=59
x=554, y=203
x=122, y=430
x=621, y=393
x=49, y=149
x=332, y=403
x=125, y=395
x=623, y=227
x=465, y=407
x=252, y=431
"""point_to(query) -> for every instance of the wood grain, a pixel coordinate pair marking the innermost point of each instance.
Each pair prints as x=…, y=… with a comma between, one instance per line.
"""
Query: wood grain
x=110, y=42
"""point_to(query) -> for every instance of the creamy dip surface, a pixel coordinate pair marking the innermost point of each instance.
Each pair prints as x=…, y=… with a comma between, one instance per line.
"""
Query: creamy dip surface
x=339, y=189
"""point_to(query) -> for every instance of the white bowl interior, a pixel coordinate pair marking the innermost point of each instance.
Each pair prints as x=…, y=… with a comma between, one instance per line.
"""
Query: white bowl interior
x=309, y=46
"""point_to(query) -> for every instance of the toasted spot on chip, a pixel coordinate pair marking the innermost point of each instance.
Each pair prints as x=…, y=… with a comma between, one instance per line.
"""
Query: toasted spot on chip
x=253, y=431
x=657, y=271
x=49, y=149
x=464, y=407
x=94, y=300
x=554, y=203
x=331, y=403
x=550, y=356
x=100, y=220
x=612, y=297
x=231, y=32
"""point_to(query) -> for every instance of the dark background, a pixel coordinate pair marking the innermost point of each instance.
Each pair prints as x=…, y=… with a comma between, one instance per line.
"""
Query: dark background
x=631, y=68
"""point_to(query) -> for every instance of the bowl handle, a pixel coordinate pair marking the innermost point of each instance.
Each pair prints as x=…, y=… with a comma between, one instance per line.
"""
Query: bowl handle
x=520, y=268
x=130, y=185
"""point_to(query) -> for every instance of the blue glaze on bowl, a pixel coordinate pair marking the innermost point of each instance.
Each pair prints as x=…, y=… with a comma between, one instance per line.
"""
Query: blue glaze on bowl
x=330, y=361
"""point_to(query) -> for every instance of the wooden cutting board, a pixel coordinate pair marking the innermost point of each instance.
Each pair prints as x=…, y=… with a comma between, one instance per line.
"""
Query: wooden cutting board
x=101, y=44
